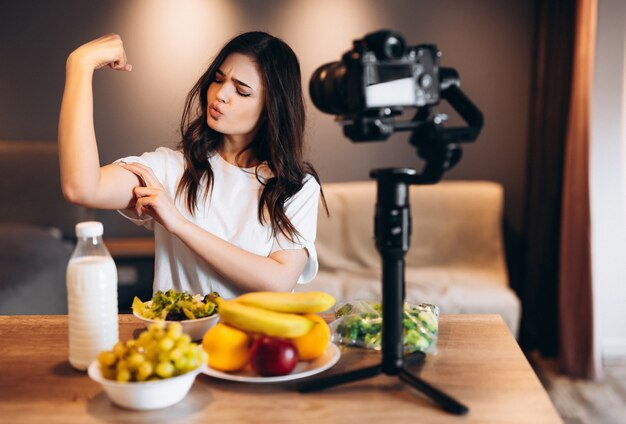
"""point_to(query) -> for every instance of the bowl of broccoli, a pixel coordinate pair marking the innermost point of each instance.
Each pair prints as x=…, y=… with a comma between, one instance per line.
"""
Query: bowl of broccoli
x=196, y=313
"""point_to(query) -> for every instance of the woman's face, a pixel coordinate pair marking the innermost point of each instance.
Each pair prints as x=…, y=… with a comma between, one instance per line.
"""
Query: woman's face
x=235, y=97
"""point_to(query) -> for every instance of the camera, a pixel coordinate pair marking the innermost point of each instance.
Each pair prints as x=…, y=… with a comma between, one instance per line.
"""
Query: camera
x=376, y=80
x=379, y=72
x=380, y=77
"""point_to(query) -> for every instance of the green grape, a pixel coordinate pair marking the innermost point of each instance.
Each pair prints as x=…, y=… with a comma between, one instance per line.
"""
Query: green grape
x=157, y=329
x=163, y=356
x=181, y=363
x=175, y=330
x=144, y=371
x=144, y=339
x=107, y=358
x=192, y=363
x=183, y=340
x=152, y=351
x=165, y=369
x=123, y=376
x=121, y=366
x=119, y=349
x=166, y=344
x=157, y=353
x=134, y=360
x=175, y=354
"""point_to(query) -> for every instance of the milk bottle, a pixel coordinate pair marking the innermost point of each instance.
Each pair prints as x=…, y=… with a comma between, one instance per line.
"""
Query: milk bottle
x=91, y=296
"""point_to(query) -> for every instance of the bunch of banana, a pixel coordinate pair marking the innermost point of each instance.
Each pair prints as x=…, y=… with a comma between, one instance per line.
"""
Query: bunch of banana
x=274, y=314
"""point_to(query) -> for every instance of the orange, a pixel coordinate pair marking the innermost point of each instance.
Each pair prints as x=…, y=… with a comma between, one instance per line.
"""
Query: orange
x=228, y=347
x=313, y=343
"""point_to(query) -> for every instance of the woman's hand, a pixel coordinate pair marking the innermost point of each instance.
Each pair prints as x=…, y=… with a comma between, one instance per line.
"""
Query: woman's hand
x=153, y=200
x=107, y=50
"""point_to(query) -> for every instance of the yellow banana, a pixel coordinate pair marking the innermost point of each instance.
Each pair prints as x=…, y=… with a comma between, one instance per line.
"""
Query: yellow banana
x=297, y=303
x=257, y=320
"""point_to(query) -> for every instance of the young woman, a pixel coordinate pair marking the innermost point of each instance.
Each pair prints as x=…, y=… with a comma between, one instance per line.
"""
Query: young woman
x=234, y=208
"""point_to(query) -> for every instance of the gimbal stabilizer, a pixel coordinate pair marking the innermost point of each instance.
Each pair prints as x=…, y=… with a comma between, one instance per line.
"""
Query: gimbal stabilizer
x=439, y=148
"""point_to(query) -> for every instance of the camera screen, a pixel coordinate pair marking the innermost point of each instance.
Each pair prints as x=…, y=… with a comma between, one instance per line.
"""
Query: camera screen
x=388, y=73
x=389, y=85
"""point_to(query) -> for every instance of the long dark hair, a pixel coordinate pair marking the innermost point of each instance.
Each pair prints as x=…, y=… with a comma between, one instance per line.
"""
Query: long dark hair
x=279, y=140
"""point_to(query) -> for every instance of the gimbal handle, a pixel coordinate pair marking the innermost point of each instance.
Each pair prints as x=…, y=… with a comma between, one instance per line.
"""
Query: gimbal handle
x=436, y=144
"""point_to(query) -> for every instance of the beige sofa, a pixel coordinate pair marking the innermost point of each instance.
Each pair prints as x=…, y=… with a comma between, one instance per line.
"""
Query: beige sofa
x=456, y=259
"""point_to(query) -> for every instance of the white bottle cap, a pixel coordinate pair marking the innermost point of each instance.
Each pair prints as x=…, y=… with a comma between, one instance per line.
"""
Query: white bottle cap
x=89, y=229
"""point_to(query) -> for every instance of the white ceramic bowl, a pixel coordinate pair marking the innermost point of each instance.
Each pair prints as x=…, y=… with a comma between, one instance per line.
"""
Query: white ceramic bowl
x=148, y=394
x=194, y=327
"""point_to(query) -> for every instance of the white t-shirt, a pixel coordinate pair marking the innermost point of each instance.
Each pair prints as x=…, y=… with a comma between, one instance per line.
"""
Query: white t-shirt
x=231, y=213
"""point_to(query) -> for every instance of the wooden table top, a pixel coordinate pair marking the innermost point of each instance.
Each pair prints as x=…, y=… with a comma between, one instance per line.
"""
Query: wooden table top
x=477, y=361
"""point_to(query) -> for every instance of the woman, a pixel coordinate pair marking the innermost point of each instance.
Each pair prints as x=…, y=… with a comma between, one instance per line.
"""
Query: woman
x=234, y=208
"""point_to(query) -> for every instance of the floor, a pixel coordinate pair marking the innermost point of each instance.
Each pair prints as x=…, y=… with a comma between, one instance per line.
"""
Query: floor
x=585, y=402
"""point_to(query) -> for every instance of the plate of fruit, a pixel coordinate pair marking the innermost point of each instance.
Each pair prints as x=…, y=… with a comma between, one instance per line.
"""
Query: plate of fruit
x=266, y=337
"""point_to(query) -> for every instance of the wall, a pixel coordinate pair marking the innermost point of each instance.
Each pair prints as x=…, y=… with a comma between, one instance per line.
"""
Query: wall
x=169, y=44
x=608, y=179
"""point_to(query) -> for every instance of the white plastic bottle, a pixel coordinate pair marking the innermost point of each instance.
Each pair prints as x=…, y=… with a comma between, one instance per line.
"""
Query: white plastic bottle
x=91, y=296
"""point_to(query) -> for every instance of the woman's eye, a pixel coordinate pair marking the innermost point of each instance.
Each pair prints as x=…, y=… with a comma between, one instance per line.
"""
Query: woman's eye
x=241, y=93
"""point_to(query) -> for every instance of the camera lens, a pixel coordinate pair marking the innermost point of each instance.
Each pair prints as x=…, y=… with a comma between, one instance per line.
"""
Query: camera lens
x=327, y=88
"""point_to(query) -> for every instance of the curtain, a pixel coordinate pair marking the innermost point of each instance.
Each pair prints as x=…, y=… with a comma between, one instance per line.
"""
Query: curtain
x=556, y=295
x=548, y=128
x=575, y=282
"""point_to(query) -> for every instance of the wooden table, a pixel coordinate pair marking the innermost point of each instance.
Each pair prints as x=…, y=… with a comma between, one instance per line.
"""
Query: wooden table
x=477, y=361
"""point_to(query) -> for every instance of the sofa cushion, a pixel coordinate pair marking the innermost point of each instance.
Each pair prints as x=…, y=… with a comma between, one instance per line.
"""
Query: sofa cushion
x=454, y=223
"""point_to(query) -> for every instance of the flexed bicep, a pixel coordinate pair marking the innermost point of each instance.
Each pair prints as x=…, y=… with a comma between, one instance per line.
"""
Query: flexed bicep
x=115, y=188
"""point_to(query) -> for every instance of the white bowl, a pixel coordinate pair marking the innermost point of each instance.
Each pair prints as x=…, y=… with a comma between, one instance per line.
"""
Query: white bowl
x=147, y=394
x=194, y=327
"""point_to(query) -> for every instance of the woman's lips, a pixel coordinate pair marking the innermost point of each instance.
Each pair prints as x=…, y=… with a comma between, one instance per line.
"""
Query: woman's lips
x=215, y=112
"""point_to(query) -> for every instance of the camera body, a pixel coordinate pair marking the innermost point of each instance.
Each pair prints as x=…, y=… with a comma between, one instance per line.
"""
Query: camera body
x=378, y=77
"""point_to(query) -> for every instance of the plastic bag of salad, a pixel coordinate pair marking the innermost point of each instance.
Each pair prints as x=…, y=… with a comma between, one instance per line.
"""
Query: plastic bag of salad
x=359, y=323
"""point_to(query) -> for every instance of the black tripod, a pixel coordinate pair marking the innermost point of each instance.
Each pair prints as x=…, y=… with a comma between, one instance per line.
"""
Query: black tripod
x=392, y=229
x=438, y=146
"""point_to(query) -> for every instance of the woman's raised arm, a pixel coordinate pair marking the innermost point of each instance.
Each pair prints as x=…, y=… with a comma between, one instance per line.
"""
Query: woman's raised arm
x=83, y=181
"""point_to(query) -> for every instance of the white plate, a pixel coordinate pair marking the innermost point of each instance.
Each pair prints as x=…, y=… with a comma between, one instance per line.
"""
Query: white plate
x=303, y=369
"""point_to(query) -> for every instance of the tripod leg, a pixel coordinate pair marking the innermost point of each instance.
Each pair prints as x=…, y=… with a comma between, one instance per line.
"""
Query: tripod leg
x=448, y=403
x=334, y=380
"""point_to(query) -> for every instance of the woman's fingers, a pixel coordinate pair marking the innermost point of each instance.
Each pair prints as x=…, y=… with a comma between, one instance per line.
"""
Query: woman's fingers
x=143, y=205
x=121, y=64
x=127, y=66
x=109, y=51
x=143, y=172
x=106, y=51
x=152, y=199
x=145, y=191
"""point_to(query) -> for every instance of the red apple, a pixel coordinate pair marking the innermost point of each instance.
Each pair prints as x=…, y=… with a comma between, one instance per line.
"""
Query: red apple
x=272, y=356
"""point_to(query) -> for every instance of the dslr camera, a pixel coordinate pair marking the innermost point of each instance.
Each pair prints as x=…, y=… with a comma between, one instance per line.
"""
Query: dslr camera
x=376, y=80
x=379, y=72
